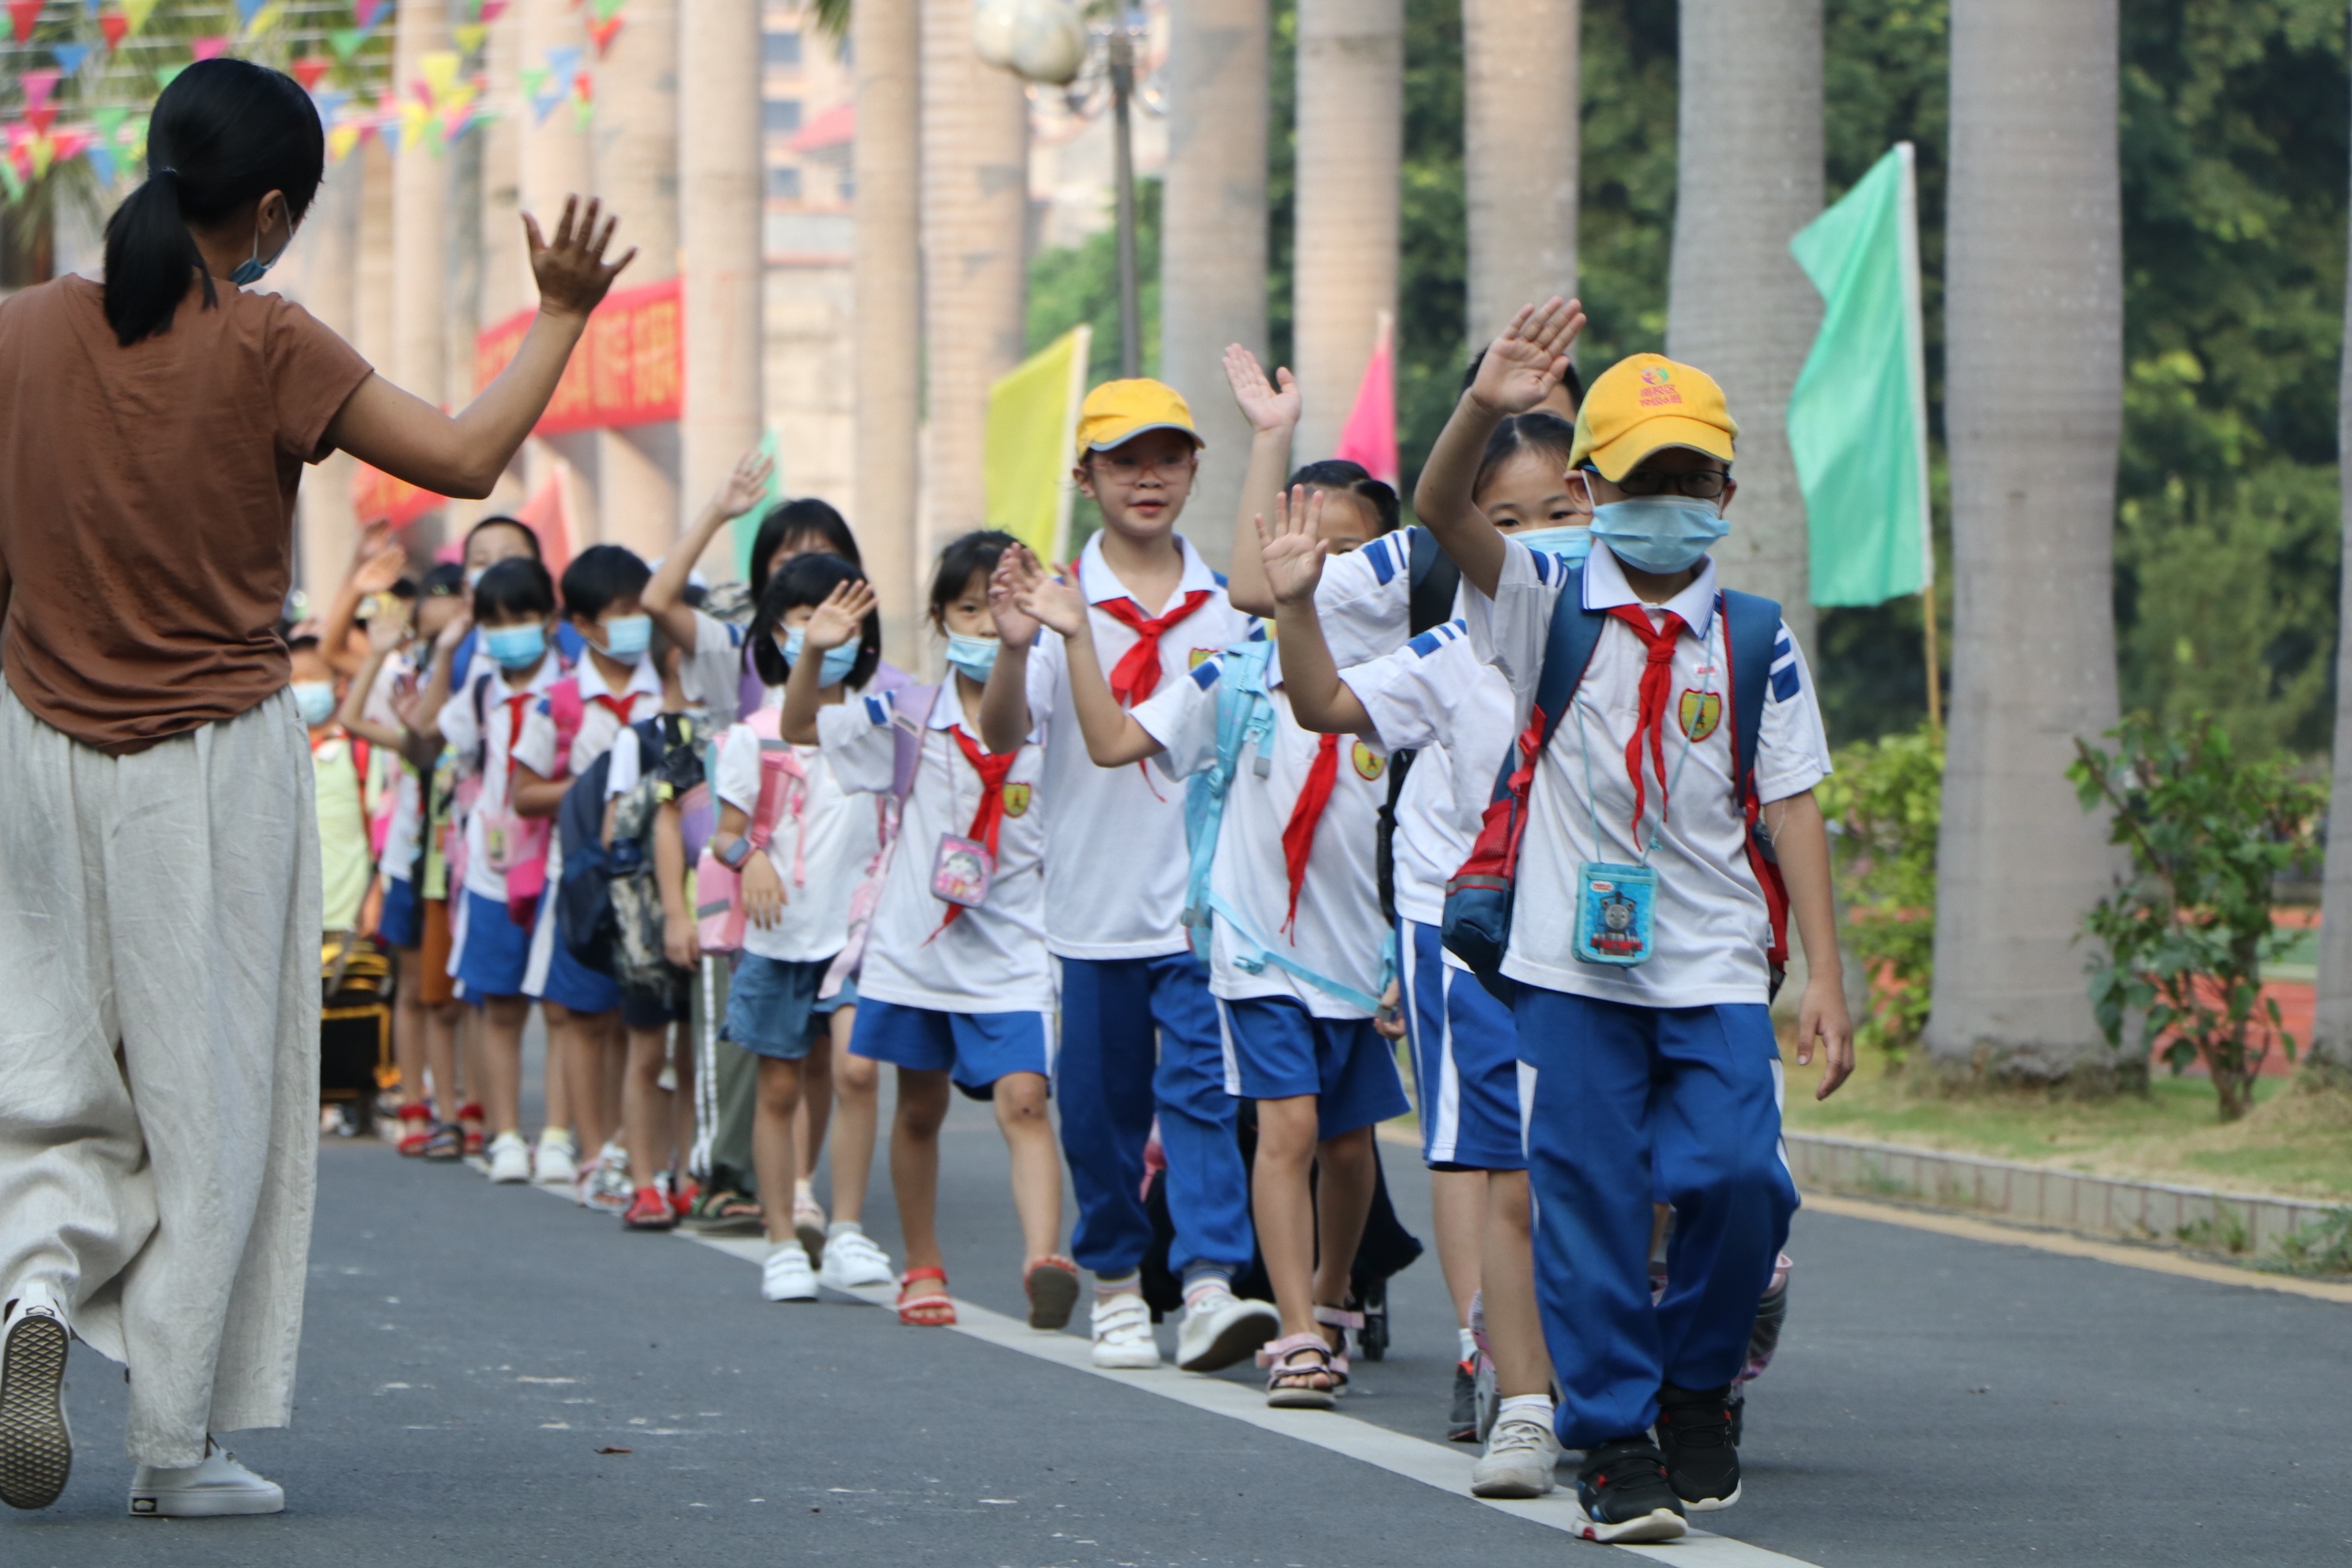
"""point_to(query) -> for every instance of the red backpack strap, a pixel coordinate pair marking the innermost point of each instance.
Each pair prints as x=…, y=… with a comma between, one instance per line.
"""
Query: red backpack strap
x=564, y=706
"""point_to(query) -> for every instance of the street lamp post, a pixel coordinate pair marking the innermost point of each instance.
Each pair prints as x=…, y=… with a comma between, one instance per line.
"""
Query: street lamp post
x=1122, y=55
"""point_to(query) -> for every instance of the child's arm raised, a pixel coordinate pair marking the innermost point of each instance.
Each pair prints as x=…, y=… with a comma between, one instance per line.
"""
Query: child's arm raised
x=383, y=638
x=1520, y=370
x=665, y=596
x=1113, y=737
x=834, y=624
x=423, y=747
x=1293, y=552
x=376, y=565
x=1004, y=720
x=1802, y=841
x=1273, y=412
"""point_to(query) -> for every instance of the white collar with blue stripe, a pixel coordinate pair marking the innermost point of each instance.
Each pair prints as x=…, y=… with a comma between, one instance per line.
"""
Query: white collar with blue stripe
x=1606, y=588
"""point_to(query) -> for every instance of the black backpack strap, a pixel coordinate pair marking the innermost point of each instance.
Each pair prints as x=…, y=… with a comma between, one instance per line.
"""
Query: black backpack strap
x=1434, y=580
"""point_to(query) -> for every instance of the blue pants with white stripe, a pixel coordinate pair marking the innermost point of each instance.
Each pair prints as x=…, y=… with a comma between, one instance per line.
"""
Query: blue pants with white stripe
x=1110, y=1080
x=1623, y=1102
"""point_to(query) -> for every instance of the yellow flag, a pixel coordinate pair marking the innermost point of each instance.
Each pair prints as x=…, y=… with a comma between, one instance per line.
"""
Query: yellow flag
x=1032, y=420
x=268, y=16
x=439, y=70
x=136, y=12
x=339, y=142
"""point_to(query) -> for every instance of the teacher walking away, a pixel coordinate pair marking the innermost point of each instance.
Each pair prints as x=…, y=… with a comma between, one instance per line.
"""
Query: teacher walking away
x=159, y=853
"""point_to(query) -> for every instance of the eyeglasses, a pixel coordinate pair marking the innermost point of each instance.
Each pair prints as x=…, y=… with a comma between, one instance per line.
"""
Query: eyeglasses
x=1699, y=484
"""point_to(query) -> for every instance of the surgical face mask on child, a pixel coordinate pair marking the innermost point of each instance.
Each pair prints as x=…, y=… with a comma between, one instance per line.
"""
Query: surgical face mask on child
x=837, y=663
x=627, y=638
x=1571, y=542
x=515, y=647
x=1663, y=534
x=974, y=657
x=315, y=699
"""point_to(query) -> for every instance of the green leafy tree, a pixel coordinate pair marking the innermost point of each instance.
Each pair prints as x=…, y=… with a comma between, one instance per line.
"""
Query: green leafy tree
x=1885, y=804
x=2185, y=936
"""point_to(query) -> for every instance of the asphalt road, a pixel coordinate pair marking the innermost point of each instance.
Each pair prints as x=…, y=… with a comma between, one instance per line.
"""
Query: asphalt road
x=471, y=1352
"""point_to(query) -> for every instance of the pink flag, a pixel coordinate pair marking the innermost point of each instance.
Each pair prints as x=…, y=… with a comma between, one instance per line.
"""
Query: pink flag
x=38, y=86
x=208, y=48
x=1370, y=435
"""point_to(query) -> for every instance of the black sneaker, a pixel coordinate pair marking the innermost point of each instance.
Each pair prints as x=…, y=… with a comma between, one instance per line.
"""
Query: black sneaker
x=1462, y=1426
x=1621, y=1494
x=1695, y=1432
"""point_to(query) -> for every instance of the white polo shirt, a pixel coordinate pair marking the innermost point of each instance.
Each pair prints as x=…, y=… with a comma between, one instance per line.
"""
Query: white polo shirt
x=824, y=839
x=1712, y=927
x=712, y=675
x=1339, y=932
x=505, y=708
x=1115, y=854
x=1435, y=697
x=1365, y=600
x=992, y=959
x=600, y=719
x=397, y=678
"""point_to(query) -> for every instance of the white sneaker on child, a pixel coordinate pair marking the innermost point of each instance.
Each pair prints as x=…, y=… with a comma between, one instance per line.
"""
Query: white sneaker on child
x=509, y=1158
x=1221, y=1330
x=788, y=1277
x=554, y=1165
x=853, y=1261
x=1122, y=1329
x=214, y=1490
x=1520, y=1456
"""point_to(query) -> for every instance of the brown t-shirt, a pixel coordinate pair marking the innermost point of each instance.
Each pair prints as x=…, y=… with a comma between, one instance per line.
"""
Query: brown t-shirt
x=147, y=504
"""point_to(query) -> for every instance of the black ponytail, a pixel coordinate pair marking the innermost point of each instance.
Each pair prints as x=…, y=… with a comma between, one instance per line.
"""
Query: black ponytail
x=225, y=133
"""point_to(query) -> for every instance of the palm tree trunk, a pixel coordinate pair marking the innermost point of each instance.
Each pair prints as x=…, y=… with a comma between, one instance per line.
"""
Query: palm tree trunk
x=720, y=186
x=2033, y=410
x=975, y=215
x=1351, y=144
x=1739, y=306
x=886, y=47
x=1519, y=150
x=420, y=196
x=1213, y=242
x=2328, y=1062
x=553, y=163
x=328, y=249
x=634, y=145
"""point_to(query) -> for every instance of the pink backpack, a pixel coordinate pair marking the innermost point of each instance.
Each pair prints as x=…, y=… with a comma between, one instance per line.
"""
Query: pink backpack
x=718, y=888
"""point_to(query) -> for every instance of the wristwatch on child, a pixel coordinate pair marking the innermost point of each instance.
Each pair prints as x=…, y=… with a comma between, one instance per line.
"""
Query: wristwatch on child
x=733, y=854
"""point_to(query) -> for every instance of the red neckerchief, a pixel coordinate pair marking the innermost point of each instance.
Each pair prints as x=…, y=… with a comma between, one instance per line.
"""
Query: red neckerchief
x=1306, y=811
x=515, y=708
x=989, y=818
x=1137, y=674
x=1657, y=684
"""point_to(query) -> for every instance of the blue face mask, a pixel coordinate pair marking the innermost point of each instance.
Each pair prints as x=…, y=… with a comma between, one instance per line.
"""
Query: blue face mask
x=974, y=657
x=315, y=699
x=837, y=663
x=252, y=269
x=1571, y=543
x=1663, y=534
x=627, y=638
x=515, y=647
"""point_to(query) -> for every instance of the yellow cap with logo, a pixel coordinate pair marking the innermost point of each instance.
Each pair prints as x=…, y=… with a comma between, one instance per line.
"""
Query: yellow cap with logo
x=1645, y=403
x=1119, y=411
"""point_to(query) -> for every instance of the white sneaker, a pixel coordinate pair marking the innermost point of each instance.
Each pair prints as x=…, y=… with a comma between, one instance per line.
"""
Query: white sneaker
x=788, y=1277
x=555, y=1164
x=509, y=1158
x=217, y=1488
x=1221, y=1330
x=35, y=1444
x=1519, y=1460
x=1122, y=1326
x=853, y=1260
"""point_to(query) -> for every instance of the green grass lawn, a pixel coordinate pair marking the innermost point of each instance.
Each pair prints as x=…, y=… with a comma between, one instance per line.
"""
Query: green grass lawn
x=2292, y=1145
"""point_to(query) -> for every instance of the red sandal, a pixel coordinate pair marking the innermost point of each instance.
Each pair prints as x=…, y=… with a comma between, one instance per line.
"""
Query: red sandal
x=928, y=1309
x=1053, y=1287
x=415, y=1130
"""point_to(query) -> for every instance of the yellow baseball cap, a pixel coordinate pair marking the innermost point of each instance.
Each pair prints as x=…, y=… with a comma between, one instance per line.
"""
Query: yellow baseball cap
x=1648, y=401
x=1119, y=411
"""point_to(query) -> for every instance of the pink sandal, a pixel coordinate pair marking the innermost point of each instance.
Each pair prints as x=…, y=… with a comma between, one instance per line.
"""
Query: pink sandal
x=1283, y=1393
x=1341, y=1319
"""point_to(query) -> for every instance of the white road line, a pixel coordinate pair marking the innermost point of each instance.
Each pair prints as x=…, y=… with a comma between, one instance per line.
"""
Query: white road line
x=1442, y=1466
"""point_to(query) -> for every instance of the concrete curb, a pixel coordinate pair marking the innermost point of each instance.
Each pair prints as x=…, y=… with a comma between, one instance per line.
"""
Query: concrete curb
x=2243, y=1226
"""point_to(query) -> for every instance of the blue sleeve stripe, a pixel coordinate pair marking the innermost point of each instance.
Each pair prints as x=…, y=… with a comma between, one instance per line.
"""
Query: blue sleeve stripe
x=1382, y=554
x=1436, y=637
x=1256, y=632
x=1205, y=674
x=1784, y=681
x=877, y=709
x=1543, y=559
x=1783, y=647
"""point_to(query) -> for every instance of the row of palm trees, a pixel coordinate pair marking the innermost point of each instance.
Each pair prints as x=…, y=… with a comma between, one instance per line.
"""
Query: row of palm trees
x=2034, y=376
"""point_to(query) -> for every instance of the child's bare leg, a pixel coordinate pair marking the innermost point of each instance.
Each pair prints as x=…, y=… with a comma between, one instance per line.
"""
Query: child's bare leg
x=409, y=1051
x=474, y=1054
x=1283, y=1206
x=679, y=1039
x=501, y=1030
x=561, y=1112
x=441, y=1024
x=612, y=1060
x=915, y=1164
x=772, y=1138
x=1036, y=1160
x=1458, y=1212
x=1513, y=1328
x=816, y=1108
x=1343, y=1196
x=646, y=1104
x=856, y=1084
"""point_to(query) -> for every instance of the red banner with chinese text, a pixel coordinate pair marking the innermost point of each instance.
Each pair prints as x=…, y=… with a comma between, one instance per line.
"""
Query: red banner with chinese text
x=377, y=497
x=629, y=367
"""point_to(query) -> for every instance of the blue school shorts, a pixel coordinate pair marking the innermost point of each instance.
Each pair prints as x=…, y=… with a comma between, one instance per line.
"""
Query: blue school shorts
x=773, y=1007
x=974, y=1049
x=554, y=975
x=1274, y=1049
x=402, y=923
x=493, y=953
x=1466, y=1061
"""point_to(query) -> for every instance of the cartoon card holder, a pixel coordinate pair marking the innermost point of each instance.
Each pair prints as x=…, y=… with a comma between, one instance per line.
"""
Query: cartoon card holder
x=1614, y=907
x=961, y=871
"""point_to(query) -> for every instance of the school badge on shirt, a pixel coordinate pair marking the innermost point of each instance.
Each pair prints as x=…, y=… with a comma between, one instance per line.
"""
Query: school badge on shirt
x=1699, y=712
x=1016, y=800
x=1199, y=657
x=1368, y=762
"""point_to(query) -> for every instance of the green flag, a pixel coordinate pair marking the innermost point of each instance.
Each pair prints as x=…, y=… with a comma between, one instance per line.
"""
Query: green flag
x=1858, y=413
x=1032, y=420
